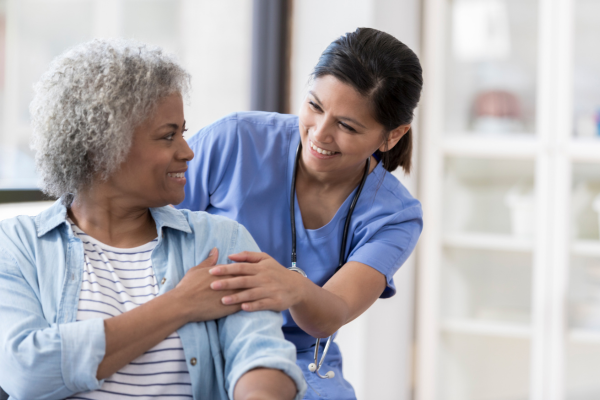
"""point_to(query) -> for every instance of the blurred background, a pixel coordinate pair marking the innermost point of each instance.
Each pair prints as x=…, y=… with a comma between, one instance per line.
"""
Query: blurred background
x=501, y=300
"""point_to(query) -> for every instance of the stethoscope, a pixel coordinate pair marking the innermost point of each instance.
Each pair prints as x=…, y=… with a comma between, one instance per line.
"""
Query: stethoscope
x=316, y=366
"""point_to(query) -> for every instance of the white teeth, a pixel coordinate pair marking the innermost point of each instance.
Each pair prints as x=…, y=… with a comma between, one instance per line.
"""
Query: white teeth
x=320, y=150
x=176, y=175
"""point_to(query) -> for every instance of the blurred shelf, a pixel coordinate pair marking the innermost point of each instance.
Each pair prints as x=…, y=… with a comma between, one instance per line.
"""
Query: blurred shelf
x=585, y=150
x=488, y=241
x=495, y=146
x=485, y=328
x=584, y=336
x=589, y=248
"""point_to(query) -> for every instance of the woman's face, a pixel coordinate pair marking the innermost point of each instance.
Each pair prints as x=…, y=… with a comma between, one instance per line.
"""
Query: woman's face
x=153, y=172
x=337, y=129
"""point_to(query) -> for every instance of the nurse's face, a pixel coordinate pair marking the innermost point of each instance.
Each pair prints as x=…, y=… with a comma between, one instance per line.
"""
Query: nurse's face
x=337, y=129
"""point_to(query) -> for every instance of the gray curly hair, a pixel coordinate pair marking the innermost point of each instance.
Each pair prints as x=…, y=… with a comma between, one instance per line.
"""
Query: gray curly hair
x=87, y=105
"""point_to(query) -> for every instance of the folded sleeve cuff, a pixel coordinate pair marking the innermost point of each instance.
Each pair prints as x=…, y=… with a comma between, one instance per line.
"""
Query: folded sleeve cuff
x=83, y=347
x=282, y=364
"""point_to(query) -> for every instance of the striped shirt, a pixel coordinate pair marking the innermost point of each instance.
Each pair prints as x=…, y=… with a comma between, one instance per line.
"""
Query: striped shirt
x=117, y=280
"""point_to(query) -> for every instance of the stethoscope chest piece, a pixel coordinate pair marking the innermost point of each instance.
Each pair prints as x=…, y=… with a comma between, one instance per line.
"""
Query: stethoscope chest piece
x=316, y=366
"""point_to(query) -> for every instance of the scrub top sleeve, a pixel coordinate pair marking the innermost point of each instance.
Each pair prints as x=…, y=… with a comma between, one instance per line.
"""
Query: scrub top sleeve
x=388, y=249
x=215, y=149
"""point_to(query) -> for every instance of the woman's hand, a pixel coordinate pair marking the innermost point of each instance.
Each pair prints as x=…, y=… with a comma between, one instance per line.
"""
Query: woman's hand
x=196, y=296
x=262, y=283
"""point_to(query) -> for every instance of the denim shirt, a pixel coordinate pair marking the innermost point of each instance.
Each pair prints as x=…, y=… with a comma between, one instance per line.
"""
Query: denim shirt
x=46, y=354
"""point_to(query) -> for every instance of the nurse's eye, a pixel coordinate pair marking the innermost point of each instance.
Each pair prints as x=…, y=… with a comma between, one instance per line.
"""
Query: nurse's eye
x=347, y=127
x=314, y=106
x=170, y=136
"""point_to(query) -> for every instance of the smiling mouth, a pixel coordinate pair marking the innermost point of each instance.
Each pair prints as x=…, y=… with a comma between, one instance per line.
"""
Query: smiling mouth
x=176, y=174
x=320, y=150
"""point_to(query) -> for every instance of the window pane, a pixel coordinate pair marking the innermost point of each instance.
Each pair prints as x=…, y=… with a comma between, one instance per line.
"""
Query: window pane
x=491, y=66
x=586, y=77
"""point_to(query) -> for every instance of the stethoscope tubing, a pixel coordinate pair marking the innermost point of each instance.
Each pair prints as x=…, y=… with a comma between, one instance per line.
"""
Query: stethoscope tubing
x=316, y=366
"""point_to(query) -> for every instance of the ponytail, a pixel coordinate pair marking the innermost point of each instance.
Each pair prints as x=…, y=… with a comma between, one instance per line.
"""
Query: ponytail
x=398, y=156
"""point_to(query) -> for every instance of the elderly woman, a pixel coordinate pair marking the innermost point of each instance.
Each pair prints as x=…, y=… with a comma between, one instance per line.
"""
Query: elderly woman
x=104, y=295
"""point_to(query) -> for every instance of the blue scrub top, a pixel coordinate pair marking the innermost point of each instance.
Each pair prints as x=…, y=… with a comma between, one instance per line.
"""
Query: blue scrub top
x=242, y=169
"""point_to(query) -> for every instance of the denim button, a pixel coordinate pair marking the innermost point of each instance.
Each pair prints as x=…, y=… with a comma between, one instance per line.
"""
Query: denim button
x=193, y=361
x=162, y=282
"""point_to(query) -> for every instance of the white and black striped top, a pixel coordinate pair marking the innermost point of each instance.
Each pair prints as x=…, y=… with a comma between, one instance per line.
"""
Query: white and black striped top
x=117, y=280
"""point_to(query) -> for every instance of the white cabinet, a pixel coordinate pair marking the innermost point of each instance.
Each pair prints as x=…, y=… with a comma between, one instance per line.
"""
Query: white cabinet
x=509, y=260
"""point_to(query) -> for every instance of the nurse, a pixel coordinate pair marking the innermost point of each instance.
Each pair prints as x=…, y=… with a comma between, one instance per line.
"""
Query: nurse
x=359, y=107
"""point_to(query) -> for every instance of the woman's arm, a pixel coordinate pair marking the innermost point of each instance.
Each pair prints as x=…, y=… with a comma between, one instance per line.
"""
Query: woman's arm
x=264, y=384
x=132, y=333
x=318, y=311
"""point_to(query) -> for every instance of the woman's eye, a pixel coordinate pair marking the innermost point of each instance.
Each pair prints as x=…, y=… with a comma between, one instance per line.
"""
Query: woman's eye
x=347, y=127
x=314, y=106
x=170, y=136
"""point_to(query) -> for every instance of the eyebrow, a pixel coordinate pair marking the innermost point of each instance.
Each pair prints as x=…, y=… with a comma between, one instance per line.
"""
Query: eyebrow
x=172, y=125
x=342, y=117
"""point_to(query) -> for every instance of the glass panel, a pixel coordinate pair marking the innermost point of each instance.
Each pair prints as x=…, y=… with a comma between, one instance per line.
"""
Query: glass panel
x=486, y=286
x=483, y=368
x=36, y=31
x=154, y=21
x=585, y=202
x=491, y=66
x=583, y=345
x=583, y=364
x=489, y=196
x=586, y=77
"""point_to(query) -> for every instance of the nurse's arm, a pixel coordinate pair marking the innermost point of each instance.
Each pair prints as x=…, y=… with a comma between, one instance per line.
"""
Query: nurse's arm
x=349, y=293
x=319, y=311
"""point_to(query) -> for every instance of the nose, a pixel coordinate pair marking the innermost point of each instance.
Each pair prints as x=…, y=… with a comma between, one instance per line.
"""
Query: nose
x=323, y=132
x=185, y=153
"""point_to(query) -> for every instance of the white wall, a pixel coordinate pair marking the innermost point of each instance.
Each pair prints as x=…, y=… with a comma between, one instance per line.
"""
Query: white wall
x=377, y=346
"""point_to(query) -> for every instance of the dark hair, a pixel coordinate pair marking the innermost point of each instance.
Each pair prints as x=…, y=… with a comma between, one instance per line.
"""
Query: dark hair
x=388, y=73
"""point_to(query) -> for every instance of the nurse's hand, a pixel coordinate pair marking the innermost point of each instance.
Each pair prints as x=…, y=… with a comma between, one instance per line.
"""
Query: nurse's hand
x=265, y=284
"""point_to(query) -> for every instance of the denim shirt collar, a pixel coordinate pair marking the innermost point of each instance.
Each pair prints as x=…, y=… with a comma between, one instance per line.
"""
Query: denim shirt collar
x=163, y=217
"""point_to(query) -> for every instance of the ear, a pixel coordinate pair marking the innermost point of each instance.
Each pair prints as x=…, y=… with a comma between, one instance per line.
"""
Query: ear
x=394, y=137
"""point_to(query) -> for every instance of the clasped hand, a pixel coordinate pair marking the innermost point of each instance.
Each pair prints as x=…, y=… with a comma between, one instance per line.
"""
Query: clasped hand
x=195, y=296
x=261, y=282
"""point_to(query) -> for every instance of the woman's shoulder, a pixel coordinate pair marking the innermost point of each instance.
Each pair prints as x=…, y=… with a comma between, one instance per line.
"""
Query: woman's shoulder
x=17, y=234
x=217, y=231
x=23, y=231
x=195, y=221
x=202, y=218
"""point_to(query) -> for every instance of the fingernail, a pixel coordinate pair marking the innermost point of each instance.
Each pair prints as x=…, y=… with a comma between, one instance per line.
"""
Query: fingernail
x=213, y=271
x=212, y=252
x=226, y=300
x=215, y=285
x=245, y=306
